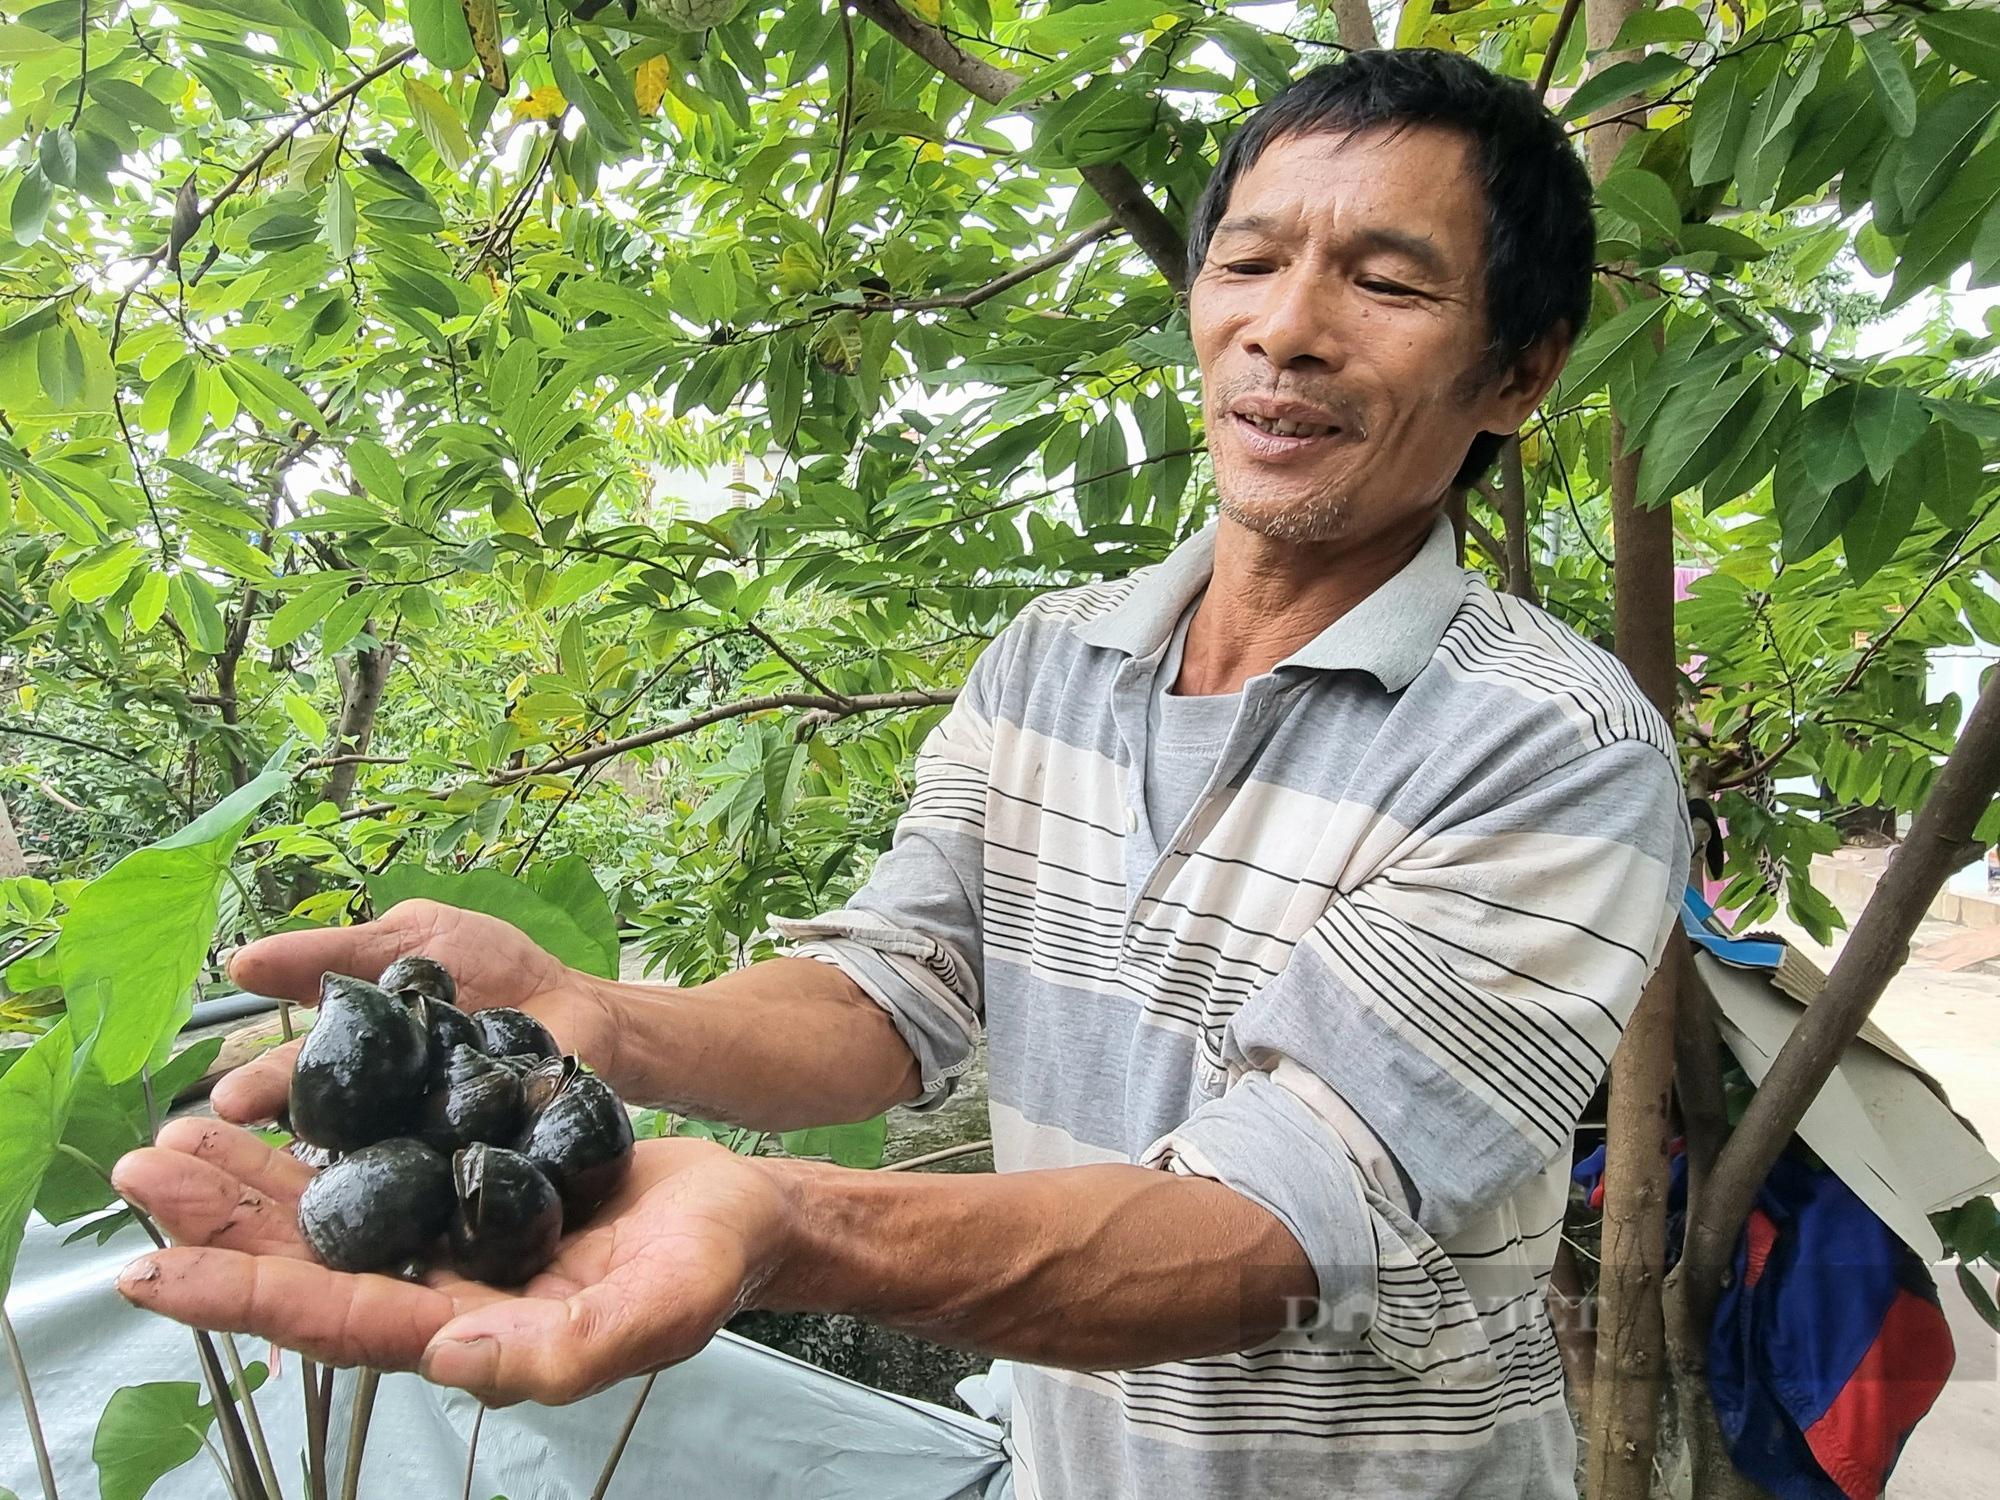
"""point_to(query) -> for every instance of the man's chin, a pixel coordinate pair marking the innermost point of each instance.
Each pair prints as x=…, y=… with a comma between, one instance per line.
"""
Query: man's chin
x=1315, y=518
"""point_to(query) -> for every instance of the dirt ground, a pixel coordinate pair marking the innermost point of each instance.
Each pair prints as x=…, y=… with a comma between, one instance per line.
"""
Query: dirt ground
x=1949, y=1022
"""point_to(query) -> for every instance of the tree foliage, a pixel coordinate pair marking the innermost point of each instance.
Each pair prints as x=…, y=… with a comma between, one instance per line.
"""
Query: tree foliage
x=358, y=361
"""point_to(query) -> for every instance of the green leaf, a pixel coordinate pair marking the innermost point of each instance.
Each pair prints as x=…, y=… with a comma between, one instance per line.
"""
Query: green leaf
x=1695, y=431
x=1720, y=115
x=1809, y=516
x=1887, y=421
x=1622, y=80
x=376, y=468
x=134, y=938
x=600, y=109
x=328, y=18
x=568, y=883
x=305, y=609
x=1942, y=238
x=1966, y=38
x=337, y=216
x=59, y=361
x=264, y=389
x=1829, y=444
x=1872, y=534
x=34, y=1108
x=1670, y=23
x=105, y=1122
x=1642, y=197
x=1894, y=90
x=859, y=1145
x=1945, y=135
x=101, y=576
x=193, y=603
x=146, y=1432
x=57, y=155
x=1604, y=348
x=438, y=121
x=441, y=33
x=498, y=895
x=1760, y=439
x=32, y=197
x=403, y=215
x=1944, y=472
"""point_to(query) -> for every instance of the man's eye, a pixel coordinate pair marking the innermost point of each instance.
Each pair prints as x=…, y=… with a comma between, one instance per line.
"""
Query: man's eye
x=1246, y=267
x=1387, y=288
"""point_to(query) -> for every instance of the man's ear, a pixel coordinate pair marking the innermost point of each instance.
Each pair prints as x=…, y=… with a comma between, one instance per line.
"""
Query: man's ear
x=1528, y=379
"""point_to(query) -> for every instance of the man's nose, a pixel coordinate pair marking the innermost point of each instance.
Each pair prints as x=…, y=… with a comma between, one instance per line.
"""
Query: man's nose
x=1296, y=323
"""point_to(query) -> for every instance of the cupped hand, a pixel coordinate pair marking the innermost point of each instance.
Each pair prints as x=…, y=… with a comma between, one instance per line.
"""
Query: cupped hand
x=494, y=962
x=645, y=1284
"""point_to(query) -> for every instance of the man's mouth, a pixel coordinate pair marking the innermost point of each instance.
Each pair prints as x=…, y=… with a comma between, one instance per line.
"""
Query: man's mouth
x=1283, y=427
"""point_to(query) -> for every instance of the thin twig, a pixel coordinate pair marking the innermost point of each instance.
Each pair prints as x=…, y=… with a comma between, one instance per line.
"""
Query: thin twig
x=252, y=1420
x=357, y=1430
x=624, y=1437
x=35, y=1435
x=472, y=1449
x=1556, y=40
x=970, y=1148
x=315, y=1430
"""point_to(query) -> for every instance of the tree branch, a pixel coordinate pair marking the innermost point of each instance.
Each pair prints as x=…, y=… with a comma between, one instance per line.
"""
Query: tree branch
x=1939, y=842
x=828, y=706
x=1026, y=271
x=1354, y=25
x=1151, y=230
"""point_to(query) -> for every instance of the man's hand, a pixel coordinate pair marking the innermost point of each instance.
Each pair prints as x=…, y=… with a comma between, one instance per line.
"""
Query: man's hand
x=494, y=963
x=644, y=1285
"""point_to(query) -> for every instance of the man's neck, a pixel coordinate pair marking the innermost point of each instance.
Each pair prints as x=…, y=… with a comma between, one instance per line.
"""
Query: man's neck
x=1267, y=598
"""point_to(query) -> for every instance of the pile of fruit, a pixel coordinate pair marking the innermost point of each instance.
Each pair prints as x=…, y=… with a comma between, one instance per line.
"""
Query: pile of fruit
x=432, y=1123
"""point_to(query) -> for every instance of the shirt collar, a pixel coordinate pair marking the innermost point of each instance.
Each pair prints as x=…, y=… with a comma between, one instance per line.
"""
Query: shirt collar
x=1390, y=635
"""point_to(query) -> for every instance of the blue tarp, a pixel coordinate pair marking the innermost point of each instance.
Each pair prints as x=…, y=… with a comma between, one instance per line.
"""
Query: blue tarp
x=735, y=1422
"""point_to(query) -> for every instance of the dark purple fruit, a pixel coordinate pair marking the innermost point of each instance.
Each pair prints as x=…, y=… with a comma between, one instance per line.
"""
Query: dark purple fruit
x=423, y=976
x=377, y=1208
x=579, y=1134
x=479, y=1101
x=362, y=1073
x=509, y=1218
x=509, y=1033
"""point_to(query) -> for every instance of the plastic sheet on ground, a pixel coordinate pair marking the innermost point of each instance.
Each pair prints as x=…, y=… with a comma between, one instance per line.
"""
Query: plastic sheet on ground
x=738, y=1420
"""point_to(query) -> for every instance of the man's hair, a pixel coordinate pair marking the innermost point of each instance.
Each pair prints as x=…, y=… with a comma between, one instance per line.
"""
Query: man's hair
x=1541, y=242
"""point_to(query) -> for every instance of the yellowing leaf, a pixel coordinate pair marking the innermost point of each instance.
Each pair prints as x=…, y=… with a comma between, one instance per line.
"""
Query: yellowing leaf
x=649, y=85
x=438, y=121
x=544, y=103
x=930, y=10
x=930, y=151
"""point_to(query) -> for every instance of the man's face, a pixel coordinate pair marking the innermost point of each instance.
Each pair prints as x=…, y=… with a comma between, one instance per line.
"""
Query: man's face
x=1340, y=322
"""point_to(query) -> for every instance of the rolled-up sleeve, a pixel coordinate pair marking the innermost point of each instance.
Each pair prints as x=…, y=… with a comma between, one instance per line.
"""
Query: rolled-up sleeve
x=910, y=937
x=1431, y=1043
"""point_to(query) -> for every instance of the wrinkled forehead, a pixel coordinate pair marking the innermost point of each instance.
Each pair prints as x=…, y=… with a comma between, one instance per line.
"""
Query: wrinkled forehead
x=1409, y=182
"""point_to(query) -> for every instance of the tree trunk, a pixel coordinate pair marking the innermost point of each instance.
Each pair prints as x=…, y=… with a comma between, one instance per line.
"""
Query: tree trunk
x=1355, y=25
x=13, y=863
x=1631, y=1343
x=1510, y=498
x=1940, y=841
x=361, y=696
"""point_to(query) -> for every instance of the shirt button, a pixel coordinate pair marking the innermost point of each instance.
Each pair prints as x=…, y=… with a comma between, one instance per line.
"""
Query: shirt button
x=1131, y=820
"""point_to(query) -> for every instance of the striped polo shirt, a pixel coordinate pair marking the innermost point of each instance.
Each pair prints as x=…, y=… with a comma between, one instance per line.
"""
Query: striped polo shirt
x=1369, y=982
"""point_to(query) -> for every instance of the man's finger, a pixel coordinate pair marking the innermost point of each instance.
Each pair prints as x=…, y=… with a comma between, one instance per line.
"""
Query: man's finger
x=239, y=1153
x=288, y=964
x=325, y=1315
x=197, y=1203
x=643, y=1317
x=255, y=1092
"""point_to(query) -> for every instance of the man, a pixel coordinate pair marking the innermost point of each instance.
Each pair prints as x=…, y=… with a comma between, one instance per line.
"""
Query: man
x=1301, y=886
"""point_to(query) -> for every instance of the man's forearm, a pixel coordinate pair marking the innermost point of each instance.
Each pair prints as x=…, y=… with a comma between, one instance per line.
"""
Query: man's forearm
x=780, y=1045
x=1097, y=1268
